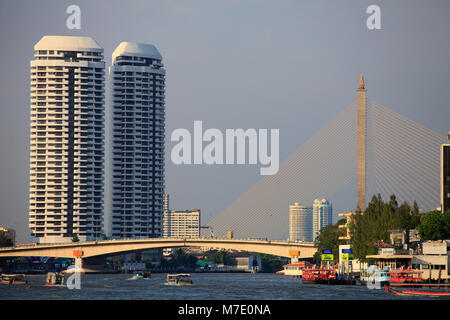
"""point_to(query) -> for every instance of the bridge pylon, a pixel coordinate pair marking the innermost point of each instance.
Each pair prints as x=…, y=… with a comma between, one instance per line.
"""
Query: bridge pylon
x=361, y=140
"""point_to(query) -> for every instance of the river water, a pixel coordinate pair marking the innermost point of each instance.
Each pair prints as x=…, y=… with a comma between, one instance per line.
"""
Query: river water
x=230, y=286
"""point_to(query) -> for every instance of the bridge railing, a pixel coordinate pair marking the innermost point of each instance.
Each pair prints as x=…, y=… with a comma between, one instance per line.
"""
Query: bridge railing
x=262, y=240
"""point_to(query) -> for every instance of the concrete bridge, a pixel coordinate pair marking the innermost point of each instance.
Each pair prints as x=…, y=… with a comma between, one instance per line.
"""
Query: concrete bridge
x=89, y=252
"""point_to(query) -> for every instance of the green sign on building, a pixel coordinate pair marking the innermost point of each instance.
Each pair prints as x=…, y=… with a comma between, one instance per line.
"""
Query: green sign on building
x=346, y=256
x=327, y=257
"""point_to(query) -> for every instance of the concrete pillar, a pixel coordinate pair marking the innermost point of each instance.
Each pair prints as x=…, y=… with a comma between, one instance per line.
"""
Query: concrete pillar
x=77, y=267
x=361, y=139
x=79, y=262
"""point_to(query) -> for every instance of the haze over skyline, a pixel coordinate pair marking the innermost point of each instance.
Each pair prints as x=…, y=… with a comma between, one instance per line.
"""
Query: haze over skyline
x=237, y=64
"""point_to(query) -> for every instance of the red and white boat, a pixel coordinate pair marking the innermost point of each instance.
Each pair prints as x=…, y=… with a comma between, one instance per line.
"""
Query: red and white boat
x=327, y=276
x=295, y=269
x=405, y=277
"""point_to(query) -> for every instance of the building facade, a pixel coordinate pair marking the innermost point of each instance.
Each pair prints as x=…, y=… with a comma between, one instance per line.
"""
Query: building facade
x=166, y=212
x=433, y=260
x=182, y=224
x=300, y=223
x=138, y=121
x=8, y=233
x=322, y=215
x=445, y=175
x=67, y=139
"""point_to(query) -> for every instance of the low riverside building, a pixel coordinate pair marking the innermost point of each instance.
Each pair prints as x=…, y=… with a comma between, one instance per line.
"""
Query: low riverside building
x=248, y=263
x=133, y=266
x=430, y=257
x=391, y=258
x=433, y=260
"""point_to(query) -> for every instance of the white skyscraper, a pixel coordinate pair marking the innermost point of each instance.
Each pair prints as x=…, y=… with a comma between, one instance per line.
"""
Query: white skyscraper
x=67, y=139
x=300, y=223
x=322, y=215
x=138, y=83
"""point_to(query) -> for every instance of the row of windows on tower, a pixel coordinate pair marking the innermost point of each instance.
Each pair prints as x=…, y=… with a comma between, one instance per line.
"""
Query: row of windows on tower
x=137, y=61
x=58, y=52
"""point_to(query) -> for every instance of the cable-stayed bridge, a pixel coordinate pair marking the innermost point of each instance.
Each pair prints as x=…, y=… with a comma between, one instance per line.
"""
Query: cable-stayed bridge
x=383, y=151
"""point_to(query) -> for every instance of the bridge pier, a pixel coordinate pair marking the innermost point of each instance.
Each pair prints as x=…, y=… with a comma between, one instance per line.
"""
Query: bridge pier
x=91, y=264
x=77, y=267
x=79, y=262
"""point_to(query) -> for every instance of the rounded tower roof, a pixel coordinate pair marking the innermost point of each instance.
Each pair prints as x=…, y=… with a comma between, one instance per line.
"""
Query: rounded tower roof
x=321, y=201
x=70, y=43
x=126, y=48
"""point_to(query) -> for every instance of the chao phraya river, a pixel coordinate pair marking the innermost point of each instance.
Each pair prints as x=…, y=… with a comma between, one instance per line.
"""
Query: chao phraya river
x=206, y=286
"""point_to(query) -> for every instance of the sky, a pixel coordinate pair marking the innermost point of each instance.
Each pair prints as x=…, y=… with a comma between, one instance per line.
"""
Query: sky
x=291, y=65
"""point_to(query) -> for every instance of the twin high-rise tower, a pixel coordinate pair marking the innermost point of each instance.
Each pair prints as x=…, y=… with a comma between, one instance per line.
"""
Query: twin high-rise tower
x=305, y=223
x=137, y=79
x=67, y=139
x=67, y=142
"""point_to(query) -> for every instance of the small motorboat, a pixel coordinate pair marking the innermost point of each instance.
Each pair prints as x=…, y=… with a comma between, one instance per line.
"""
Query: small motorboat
x=14, y=279
x=180, y=279
x=54, y=279
x=142, y=275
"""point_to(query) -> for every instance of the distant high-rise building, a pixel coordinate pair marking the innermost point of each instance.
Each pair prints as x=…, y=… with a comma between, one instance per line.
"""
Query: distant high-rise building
x=8, y=233
x=445, y=175
x=166, y=212
x=67, y=139
x=322, y=215
x=300, y=223
x=166, y=199
x=182, y=224
x=138, y=83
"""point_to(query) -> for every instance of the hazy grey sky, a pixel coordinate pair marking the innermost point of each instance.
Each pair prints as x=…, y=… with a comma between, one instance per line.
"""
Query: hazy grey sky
x=291, y=65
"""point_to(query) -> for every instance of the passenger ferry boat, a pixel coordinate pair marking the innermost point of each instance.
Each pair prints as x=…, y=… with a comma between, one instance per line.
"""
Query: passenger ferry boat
x=382, y=277
x=318, y=276
x=14, y=279
x=180, y=279
x=295, y=269
x=326, y=276
x=405, y=277
x=54, y=279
